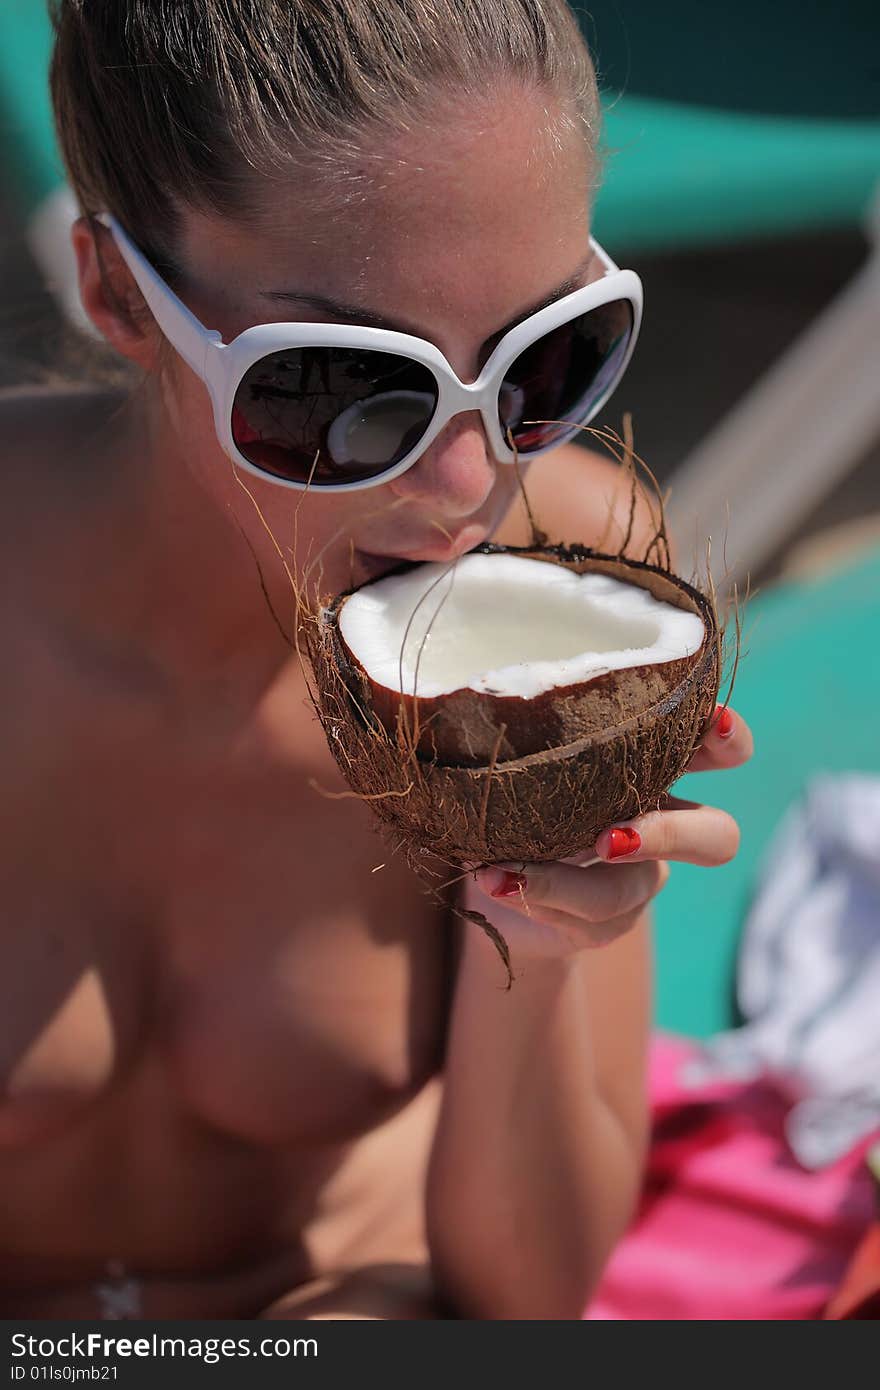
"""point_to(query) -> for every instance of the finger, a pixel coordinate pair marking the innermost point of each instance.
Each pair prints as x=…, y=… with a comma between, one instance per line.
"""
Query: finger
x=668, y=802
x=727, y=742
x=580, y=934
x=695, y=835
x=593, y=896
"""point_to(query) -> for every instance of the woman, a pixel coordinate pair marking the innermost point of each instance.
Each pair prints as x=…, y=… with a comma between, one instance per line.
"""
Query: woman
x=244, y=1074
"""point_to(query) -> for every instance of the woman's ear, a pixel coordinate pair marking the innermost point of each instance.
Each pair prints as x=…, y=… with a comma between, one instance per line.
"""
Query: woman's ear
x=110, y=296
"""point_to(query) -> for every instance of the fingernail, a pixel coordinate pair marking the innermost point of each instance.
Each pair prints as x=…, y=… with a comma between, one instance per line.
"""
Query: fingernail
x=723, y=722
x=622, y=840
x=500, y=883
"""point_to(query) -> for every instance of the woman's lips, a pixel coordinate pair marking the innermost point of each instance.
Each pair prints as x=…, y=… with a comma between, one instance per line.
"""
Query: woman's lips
x=437, y=548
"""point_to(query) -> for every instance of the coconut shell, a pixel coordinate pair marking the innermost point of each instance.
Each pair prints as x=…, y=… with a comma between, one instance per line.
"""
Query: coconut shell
x=608, y=750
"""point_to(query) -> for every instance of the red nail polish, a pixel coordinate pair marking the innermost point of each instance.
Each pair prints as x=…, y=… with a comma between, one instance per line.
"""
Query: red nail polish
x=723, y=722
x=623, y=840
x=511, y=886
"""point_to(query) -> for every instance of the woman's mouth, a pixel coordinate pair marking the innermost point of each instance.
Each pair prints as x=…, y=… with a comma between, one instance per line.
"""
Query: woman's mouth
x=440, y=547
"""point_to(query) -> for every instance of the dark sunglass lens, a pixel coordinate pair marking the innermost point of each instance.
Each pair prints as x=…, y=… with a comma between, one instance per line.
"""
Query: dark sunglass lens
x=330, y=415
x=564, y=375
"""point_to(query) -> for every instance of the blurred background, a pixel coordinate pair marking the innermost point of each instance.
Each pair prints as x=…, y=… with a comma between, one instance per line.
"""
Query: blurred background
x=741, y=173
x=743, y=158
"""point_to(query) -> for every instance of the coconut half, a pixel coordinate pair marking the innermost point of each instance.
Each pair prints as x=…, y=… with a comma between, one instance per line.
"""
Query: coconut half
x=512, y=706
x=502, y=655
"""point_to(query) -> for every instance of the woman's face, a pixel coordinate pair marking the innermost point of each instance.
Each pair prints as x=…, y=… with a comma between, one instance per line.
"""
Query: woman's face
x=451, y=234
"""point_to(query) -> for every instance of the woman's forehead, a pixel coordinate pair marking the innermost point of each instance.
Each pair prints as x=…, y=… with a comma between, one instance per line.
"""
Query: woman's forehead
x=474, y=219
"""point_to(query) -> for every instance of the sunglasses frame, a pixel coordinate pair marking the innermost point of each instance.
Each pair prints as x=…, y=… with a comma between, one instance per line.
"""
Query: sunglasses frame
x=221, y=366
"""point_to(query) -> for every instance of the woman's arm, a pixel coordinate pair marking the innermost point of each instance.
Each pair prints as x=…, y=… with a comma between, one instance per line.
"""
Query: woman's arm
x=537, y=1160
x=537, y=1157
x=538, y=1154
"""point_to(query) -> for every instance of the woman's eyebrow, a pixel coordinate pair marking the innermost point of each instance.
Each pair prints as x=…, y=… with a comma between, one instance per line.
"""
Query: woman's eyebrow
x=356, y=313
x=340, y=309
x=574, y=282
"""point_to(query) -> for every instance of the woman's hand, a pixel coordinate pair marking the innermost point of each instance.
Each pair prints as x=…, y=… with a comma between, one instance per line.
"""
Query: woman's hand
x=554, y=910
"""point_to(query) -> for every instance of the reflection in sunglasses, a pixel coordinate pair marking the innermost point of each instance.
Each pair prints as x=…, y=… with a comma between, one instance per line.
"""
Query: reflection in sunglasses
x=380, y=428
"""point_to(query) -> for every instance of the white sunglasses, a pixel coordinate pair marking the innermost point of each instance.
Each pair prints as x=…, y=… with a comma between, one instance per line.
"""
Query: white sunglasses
x=334, y=408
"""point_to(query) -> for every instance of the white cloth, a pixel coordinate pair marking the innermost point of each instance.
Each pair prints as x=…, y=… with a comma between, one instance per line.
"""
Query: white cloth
x=809, y=971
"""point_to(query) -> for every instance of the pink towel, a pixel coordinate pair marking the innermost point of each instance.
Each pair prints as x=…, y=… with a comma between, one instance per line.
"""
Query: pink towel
x=730, y=1225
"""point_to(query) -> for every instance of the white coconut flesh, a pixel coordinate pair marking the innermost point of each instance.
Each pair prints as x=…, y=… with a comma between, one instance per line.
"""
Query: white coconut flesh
x=507, y=625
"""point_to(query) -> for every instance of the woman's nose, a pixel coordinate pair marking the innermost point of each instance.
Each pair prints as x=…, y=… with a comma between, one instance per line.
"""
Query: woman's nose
x=457, y=472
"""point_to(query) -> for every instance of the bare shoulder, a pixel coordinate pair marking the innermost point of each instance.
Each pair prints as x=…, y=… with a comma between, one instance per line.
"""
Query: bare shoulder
x=578, y=495
x=53, y=469
x=43, y=429
x=47, y=475
x=39, y=411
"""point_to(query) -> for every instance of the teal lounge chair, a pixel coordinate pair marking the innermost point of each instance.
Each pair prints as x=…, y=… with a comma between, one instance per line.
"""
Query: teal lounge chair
x=808, y=686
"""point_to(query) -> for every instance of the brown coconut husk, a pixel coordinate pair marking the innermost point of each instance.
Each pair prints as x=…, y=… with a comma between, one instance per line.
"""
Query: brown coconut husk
x=632, y=743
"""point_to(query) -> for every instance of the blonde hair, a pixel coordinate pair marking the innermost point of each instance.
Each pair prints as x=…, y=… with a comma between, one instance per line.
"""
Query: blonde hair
x=160, y=103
